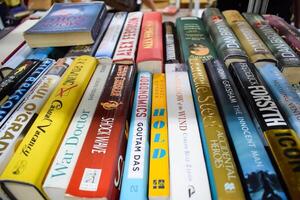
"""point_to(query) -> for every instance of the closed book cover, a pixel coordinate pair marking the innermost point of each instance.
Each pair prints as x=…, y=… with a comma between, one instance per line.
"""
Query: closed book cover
x=159, y=172
x=62, y=167
x=272, y=123
x=193, y=39
x=288, y=32
x=222, y=171
x=98, y=171
x=136, y=166
x=15, y=78
x=256, y=50
x=188, y=174
x=67, y=24
x=228, y=46
x=251, y=155
x=20, y=121
x=288, y=60
x=127, y=44
x=108, y=44
x=150, y=49
x=26, y=171
x=14, y=100
x=171, y=47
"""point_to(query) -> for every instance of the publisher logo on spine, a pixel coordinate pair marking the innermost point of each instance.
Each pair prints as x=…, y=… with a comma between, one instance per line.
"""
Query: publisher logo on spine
x=110, y=105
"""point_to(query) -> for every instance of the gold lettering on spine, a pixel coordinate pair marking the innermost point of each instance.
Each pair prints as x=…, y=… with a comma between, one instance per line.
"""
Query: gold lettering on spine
x=224, y=169
x=148, y=35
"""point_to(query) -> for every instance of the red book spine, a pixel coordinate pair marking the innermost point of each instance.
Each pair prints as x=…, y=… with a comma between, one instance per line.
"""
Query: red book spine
x=98, y=171
x=151, y=42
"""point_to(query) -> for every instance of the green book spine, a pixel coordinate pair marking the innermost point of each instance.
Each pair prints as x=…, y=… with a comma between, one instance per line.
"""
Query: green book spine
x=194, y=40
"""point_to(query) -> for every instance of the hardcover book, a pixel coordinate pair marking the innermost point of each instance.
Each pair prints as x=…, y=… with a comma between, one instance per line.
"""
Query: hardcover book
x=136, y=166
x=255, y=48
x=159, y=178
x=253, y=160
x=127, y=44
x=171, y=48
x=288, y=32
x=227, y=45
x=193, y=39
x=222, y=171
x=26, y=171
x=28, y=110
x=272, y=123
x=15, y=78
x=60, y=172
x=150, y=56
x=14, y=100
x=108, y=44
x=67, y=25
x=185, y=149
x=98, y=171
x=288, y=60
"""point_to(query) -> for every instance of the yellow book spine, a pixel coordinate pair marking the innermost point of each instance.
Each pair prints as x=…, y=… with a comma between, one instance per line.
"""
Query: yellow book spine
x=32, y=158
x=159, y=180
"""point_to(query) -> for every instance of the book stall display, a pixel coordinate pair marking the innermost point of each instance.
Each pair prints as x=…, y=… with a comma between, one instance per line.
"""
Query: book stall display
x=102, y=104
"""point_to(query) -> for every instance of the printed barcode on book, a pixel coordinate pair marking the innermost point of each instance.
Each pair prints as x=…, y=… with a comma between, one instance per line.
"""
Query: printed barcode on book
x=90, y=179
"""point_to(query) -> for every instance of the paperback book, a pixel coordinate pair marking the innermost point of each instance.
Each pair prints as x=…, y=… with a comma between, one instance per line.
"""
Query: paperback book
x=136, y=166
x=171, y=48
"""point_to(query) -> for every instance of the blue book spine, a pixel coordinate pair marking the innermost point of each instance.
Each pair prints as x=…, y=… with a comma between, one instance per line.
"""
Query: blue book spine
x=257, y=172
x=283, y=93
x=135, y=177
x=40, y=53
x=17, y=97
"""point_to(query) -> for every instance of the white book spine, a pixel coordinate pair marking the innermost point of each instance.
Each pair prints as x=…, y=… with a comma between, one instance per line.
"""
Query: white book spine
x=64, y=163
x=188, y=175
x=127, y=44
x=13, y=129
x=3, y=196
x=108, y=44
x=18, y=57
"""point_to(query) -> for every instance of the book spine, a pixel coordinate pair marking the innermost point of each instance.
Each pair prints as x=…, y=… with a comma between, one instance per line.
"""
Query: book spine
x=272, y=124
x=79, y=51
x=194, y=40
x=60, y=172
x=186, y=155
x=40, y=53
x=127, y=44
x=252, y=157
x=226, y=42
x=109, y=42
x=288, y=32
x=14, y=100
x=99, y=166
x=103, y=28
x=283, y=93
x=16, y=77
x=282, y=51
x=159, y=178
x=100, y=20
x=135, y=175
x=172, y=53
x=253, y=45
x=39, y=146
x=20, y=121
x=222, y=171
